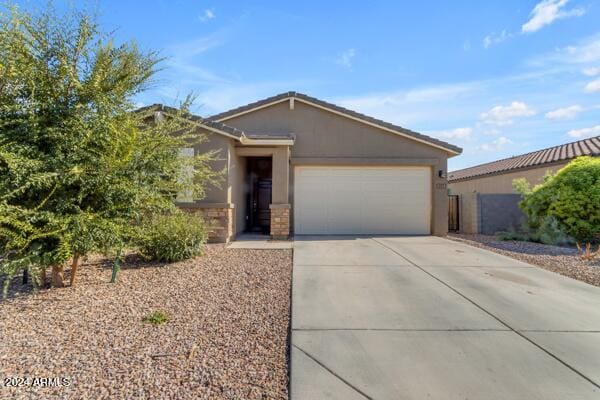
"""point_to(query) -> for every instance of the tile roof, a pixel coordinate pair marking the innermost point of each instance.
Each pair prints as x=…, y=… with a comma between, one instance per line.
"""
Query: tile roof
x=202, y=121
x=274, y=136
x=342, y=110
x=563, y=152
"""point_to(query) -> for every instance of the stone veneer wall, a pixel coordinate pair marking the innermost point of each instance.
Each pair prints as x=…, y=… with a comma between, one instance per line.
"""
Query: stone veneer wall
x=220, y=219
x=280, y=221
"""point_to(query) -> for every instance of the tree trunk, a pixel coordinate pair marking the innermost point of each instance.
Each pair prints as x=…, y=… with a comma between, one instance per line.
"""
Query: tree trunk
x=74, y=266
x=58, y=276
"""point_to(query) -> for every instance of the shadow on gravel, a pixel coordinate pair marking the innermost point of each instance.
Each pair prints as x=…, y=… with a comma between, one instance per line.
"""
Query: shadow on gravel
x=16, y=287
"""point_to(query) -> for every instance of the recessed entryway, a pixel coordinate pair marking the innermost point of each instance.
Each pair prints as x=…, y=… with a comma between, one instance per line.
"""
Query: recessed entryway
x=260, y=189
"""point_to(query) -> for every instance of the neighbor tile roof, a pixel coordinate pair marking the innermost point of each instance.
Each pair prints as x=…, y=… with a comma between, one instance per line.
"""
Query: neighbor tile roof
x=339, y=109
x=564, y=152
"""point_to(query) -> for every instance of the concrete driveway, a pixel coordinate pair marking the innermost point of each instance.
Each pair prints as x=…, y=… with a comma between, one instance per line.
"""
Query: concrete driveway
x=428, y=318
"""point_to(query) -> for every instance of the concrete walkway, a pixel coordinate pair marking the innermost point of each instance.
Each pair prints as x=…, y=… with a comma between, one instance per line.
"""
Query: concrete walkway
x=259, y=242
x=428, y=318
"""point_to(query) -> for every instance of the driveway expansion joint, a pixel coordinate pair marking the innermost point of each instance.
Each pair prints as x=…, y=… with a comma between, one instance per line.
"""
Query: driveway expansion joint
x=401, y=330
x=582, y=375
x=350, y=385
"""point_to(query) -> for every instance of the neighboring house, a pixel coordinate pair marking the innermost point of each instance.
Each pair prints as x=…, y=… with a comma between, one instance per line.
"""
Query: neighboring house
x=487, y=200
x=296, y=164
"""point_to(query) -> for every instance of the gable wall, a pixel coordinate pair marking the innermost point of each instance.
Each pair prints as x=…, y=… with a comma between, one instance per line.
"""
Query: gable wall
x=320, y=133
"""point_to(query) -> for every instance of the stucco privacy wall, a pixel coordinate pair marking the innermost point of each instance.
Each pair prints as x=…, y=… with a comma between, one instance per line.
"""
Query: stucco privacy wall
x=471, y=213
x=324, y=138
x=499, y=212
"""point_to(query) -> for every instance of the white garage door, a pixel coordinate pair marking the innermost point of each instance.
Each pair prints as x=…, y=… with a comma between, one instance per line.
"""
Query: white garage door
x=362, y=200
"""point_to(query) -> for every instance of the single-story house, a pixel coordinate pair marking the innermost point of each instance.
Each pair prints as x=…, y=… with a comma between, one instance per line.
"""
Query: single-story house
x=295, y=164
x=487, y=200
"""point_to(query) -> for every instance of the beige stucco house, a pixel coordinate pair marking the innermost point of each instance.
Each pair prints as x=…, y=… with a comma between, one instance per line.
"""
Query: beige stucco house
x=298, y=165
x=487, y=200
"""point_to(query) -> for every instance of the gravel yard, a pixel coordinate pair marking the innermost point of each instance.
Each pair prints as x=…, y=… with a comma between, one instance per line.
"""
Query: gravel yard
x=562, y=260
x=226, y=338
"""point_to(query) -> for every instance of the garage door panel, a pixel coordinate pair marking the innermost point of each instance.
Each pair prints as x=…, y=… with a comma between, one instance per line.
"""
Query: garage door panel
x=362, y=200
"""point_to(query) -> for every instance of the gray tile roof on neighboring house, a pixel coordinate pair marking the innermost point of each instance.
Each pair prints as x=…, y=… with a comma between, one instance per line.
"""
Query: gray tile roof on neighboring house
x=563, y=152
x=339, y=109
x=202, y=121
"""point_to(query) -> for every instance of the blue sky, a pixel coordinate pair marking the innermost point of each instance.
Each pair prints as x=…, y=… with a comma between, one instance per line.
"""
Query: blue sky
x=496, y=78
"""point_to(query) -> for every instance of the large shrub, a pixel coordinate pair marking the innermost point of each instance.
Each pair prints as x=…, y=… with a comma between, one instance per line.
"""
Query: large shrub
x=570, y=199
x=172, y=237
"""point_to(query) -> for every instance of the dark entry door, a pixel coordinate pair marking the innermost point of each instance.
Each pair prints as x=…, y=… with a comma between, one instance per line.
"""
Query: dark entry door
x=261, y=215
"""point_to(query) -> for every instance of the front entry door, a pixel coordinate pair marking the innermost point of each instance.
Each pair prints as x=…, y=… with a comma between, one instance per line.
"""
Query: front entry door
x=261, y=214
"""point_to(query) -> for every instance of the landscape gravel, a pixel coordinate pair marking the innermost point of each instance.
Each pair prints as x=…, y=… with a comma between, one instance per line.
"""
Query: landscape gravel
x=226, y=337
x=562, y=260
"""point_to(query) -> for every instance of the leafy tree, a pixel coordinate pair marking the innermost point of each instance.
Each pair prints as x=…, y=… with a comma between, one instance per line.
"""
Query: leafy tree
x=570, y=199
x=79, y=169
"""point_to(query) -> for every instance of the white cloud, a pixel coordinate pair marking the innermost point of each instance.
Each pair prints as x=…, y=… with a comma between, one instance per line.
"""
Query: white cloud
x=206, y=15
x=564, y=113
x=546, y=12
x=345, y=59
x=495, y=39
x=504, y=115
x=185, y=62
x=585, y=132
x=415, y=106
x=584, y=54
x=458, y=133
x=591, y=71
x=593, y=86
x=495, y=145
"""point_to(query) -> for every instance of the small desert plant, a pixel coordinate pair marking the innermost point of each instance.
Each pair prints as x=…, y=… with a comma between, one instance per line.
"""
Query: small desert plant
x=588, y=254
x=548, y=232
x=156, y=318
x=512, y=234
x=172, y=237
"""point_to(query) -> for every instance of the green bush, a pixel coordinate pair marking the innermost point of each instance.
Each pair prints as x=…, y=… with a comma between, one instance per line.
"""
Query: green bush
x=172, y=237
x=566, y=204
